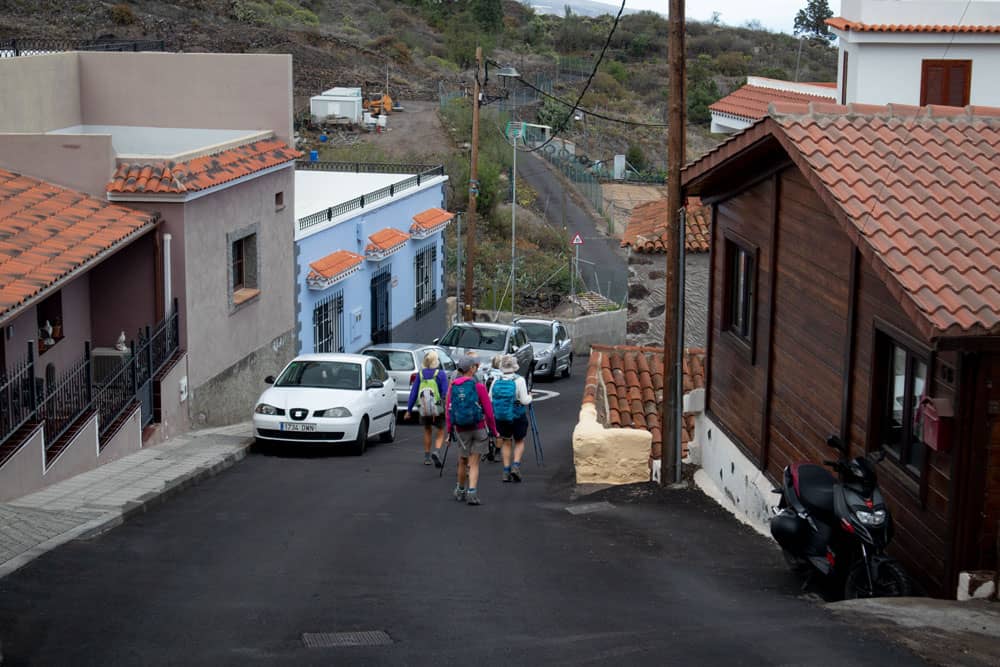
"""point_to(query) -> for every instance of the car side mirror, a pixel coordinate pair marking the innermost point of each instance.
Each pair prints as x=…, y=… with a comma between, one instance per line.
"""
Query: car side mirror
x=376, y=384
x=269, y=379
x=436, y=341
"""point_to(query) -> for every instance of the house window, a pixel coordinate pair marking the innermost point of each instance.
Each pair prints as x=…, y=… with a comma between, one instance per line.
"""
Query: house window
x=279, y=200
x=740, y=292
x=904, y=373
x=244, y=260
x=50, y=324
x=945, y=82
x=426, y=294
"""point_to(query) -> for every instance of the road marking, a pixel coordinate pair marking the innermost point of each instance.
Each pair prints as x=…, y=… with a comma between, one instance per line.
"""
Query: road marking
x=542, y=395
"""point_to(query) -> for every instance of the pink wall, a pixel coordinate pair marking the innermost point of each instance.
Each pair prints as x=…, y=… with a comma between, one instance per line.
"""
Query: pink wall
x=78, y=162
x=123, y=293
x=39, y=93
x=76, y=328
x=199, y=90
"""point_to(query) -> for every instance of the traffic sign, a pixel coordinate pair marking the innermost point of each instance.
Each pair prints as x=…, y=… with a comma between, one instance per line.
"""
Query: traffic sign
x=577, y=240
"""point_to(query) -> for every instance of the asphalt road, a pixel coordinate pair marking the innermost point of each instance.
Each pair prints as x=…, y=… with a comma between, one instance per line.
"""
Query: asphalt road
x=602, y=261
x=235, y=569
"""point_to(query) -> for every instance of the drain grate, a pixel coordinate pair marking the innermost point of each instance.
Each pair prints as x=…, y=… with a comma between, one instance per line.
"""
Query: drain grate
x=588, y=508
x=340, y=639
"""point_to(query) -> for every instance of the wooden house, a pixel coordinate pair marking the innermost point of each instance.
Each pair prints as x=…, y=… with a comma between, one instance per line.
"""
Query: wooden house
x=855, y=290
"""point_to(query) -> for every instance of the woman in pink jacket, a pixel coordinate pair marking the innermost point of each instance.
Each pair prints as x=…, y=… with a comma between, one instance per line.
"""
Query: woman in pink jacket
x=469, y=412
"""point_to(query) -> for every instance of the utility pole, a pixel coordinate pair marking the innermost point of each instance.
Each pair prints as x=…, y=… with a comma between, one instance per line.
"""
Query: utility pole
x=470, y=231
x=670, y=467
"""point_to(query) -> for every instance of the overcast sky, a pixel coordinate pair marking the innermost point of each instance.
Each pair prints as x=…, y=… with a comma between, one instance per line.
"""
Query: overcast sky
x=773, y=14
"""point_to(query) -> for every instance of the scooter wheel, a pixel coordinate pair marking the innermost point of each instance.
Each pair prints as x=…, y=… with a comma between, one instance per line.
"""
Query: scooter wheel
x=891, y=581
x=799, y=566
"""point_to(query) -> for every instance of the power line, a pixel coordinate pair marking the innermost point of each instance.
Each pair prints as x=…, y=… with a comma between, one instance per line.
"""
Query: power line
x=583, y=92
x=623, y=121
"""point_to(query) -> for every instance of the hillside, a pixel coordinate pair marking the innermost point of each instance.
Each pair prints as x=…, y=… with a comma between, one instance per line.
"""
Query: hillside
x=428, y=46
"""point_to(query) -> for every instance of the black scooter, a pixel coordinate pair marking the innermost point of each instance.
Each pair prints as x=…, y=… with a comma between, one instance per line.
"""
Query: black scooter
x=839, y=530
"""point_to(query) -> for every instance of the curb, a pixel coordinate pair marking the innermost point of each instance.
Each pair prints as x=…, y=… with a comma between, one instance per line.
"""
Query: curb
x=110, y=520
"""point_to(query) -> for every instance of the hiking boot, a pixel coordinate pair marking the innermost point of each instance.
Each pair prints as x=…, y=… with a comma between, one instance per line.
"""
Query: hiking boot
x=427, y=459
x=436, y=457
x=515, y=473
x=473, y=498
x=506, y=476
x=459, y=493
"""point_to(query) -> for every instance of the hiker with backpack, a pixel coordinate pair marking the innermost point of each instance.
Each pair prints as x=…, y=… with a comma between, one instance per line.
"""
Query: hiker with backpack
x=427, y=391
x=509, y=395
x=469, y=416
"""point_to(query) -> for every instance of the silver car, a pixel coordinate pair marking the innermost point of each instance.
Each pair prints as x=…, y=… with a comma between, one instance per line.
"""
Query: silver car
x=552, y=346
x=404, y=360
x=486, y=340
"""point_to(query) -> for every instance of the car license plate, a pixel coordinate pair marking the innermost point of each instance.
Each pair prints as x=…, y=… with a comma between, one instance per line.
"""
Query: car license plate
x=287, y=426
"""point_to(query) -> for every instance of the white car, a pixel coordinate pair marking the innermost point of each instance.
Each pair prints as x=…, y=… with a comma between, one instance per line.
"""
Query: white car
x=324, y=399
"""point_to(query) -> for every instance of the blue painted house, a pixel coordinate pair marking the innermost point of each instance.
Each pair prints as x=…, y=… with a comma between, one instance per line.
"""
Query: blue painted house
x=369, y=249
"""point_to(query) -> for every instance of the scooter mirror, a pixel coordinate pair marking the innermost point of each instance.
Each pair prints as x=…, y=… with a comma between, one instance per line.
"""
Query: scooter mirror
x=834, y=441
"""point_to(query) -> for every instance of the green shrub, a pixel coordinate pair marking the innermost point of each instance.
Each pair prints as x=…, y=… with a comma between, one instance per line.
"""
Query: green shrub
x=122, y=15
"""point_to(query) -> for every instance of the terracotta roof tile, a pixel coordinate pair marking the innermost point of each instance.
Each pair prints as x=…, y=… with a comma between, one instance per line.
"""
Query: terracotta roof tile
x=48, y=232
x=430, y=220
x=630, y=380
x=646, y=225
x=199, y=173
x=333, y=265
x=750, y=102
x=386, y=240
x=841, y=23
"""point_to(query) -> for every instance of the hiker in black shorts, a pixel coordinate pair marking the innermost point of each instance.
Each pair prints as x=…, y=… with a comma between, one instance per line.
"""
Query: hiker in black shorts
x=509, y=395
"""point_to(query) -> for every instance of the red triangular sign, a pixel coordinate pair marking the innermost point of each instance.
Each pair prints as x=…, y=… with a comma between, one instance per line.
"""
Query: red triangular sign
x=577, y=240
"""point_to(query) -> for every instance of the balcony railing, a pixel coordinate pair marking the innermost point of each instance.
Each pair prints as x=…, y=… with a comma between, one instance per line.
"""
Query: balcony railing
x=421, y=173
x=26, y=398
x=12, y=48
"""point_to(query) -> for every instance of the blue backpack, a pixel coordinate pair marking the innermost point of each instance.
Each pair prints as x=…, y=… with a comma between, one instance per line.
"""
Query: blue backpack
x=465, y=408
x=505, y=404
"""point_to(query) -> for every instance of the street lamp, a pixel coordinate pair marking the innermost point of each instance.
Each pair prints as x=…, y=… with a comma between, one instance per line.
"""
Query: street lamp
x=515, y=130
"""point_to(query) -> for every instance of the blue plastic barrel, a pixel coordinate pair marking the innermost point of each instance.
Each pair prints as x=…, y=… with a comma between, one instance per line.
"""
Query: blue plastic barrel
x=323, y=138
x=314, y=156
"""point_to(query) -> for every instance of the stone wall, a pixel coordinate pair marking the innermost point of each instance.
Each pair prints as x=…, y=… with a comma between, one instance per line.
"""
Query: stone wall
x=646, y=300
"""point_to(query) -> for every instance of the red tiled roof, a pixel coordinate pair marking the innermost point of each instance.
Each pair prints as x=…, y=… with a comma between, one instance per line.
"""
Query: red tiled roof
x=843, y=24
x=630, y=380
x=916, y=189
x=48, y=232
x=163, y=177
x=334, y=264
x=750, y=102
x=644, y=232
x=386, y=239
x=430, y=219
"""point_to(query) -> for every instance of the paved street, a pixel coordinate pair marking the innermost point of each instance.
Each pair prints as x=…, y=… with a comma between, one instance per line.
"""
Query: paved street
x=601, y=259
x=235, y=569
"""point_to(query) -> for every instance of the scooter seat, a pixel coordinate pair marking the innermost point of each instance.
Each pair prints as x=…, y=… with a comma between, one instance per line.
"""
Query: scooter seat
x=814, y=486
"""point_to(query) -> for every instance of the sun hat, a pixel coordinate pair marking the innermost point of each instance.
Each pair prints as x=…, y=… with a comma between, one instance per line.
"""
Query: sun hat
x=509, y=364
x=466, y=362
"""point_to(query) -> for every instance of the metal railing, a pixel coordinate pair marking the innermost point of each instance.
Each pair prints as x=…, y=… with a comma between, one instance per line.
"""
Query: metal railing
x=25, y=398
x=12, y=48
x=584, y=179
x=423, y=172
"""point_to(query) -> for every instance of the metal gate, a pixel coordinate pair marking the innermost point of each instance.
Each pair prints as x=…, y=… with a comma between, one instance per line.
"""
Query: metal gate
x=328, y=324
x=381, y=321
x=143, y=369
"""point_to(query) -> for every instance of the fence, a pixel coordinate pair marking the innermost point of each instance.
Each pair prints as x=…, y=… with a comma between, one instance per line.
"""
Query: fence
x=585, y=180
x=423, y=172
x=12, y=48
x=26, y=398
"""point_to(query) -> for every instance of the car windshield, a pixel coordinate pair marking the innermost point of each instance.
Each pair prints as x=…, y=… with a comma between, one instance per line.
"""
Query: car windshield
x=538, y=332
x=322, y=375
x=393, y=360
x=476, y=338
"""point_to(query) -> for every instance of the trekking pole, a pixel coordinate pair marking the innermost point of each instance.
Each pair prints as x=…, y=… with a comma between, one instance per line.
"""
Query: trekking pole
x=444, y=459
x=539, y=454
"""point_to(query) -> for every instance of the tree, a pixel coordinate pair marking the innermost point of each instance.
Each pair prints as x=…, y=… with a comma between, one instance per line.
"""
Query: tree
x=811, y=21
x=489, y=14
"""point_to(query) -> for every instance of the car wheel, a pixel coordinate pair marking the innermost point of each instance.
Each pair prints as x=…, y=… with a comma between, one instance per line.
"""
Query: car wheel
x=361, y=444
x=569, y=367
x=390, y=435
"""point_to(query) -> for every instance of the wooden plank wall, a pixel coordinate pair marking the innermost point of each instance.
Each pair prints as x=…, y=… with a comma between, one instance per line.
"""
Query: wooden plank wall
x=810, y=325
x=736, y=395
x=990, y=542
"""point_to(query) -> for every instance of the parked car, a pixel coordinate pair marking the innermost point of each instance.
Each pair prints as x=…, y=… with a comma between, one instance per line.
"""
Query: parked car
x=323, y=399
x=486, y=340
x=403, y=361
x=552, y=345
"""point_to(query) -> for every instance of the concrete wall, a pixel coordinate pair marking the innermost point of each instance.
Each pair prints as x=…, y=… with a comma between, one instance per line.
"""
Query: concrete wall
x=40, y=93
x=122, y=293
x=220, y=334
x=230, y=396
x=609, y=455
x=126, y=441
x=80, y=455
x=199, y=90
x=357, y=291
x=646, y=300
x=79, y=162
x=22, y=473
x=174, y=417
x=920, y=12
x=598, y=329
